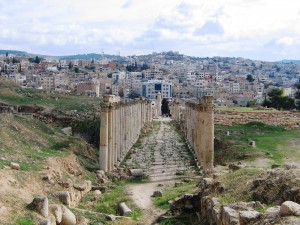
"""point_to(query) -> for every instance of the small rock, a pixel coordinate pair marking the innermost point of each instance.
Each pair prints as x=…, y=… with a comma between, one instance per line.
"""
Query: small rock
x=258, y=205
x=110, y=217
x=275, y=166
x=80, y=220
x=177, y=184
x=289, y=208
x=79, y=187
x=66, y=183
x=97, y=194
x=14, y=166
x=157, y=194
x=246, y=217
x=272, y=212
x=237, y=166
x=46, y=177
x=103, y=189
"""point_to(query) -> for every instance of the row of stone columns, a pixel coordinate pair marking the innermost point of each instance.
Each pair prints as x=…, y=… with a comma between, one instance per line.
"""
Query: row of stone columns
x=198, y=127
x=121, y=123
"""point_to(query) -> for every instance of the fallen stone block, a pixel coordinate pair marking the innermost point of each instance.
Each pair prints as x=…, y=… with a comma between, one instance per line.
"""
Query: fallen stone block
x=248, y=217
x=14, y=166
x=56, y=211
x=136, y=172
x=64, y=197
x=289, y=208
x=66, y=183
x=68, y=218
x=229, y=216
x=123, y=209
x=40, y=205
x=110, y=217
x=157, y=194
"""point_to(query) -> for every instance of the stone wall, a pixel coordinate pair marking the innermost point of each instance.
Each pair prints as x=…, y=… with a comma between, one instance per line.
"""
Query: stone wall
x=197, y=123
x=121, y=123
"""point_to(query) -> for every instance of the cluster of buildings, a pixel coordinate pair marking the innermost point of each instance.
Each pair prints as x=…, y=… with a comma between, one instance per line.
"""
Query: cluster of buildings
x=231, y=81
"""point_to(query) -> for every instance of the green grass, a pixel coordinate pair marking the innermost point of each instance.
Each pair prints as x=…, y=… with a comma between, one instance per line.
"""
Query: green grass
x=24, y=221
x=170, y=193
x=109, y=201
x=271, y=140
x=29, y=142
x=13, y=94
x=94, y=218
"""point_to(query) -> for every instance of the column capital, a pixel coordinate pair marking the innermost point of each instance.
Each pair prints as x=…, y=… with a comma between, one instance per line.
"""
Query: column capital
x=104, y=107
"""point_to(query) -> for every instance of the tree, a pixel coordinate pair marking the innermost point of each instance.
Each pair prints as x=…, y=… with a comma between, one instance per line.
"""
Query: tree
x=250, y=78
x=76, y=70
x=70, y=65
x=278, y=101
x=297, y=95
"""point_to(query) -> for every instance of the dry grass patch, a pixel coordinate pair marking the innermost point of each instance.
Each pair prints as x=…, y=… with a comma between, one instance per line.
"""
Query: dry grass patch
x=238, y=185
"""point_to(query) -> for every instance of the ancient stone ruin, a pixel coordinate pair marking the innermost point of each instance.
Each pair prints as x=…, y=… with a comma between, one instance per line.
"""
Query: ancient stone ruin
x=121, y=123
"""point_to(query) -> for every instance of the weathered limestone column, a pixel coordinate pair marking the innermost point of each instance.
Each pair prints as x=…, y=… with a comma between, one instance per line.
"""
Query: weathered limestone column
x=207, y=132
x=116, y=132
x=110, y=137
x=103, y=154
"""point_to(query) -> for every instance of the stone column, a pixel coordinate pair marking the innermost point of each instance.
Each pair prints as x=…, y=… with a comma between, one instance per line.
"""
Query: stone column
x=103, y=149
x=110, y=138
x=207, y=132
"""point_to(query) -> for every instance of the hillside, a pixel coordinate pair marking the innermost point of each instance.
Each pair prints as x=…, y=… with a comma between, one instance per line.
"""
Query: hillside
x=40, y=150
x=13, y=94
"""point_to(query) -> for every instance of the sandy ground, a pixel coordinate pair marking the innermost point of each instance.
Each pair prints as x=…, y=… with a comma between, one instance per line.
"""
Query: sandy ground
x=168, y=157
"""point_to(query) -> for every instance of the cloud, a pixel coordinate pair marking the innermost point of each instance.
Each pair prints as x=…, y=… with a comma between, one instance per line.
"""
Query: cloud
x=210, y=28
x=286, y=41
x=256, y=28
x=127, y=4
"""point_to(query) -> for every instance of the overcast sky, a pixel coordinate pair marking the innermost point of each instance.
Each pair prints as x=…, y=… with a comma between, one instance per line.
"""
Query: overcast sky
x=256, y=29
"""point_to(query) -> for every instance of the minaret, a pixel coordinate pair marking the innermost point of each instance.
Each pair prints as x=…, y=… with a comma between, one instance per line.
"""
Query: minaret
x=158, y=104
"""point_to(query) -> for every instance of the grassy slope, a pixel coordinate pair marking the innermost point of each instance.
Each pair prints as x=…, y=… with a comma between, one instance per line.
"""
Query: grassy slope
x=28, y=141
x=275, y=143
x=270, y=140
x=12, y=94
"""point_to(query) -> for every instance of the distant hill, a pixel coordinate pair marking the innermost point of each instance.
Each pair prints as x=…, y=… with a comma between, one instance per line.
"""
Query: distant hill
x=290, y=61
x=14, y=52
x=87, y=56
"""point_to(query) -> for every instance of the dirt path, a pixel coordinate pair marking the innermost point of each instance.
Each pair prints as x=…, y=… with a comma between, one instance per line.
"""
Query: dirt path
x=162, y=155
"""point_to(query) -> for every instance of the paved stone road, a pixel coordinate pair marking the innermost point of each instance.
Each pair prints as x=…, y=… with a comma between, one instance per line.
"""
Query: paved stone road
x=163, y=153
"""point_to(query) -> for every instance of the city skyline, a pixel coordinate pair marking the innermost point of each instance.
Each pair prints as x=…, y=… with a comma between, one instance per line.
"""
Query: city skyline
x=257, y=29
